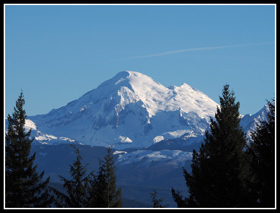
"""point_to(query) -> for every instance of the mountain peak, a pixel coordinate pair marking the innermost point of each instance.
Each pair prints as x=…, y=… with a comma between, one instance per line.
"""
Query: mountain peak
x=126, y=78
x=129, y=87
x=130, y=109
x=132, y=77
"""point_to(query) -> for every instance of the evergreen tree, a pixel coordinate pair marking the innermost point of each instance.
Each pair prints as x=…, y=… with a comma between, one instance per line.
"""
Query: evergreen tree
x=24, y=187
x=157, y=202
x=262, y=150
x=180, y=201
x=77, y=188
x=98, y=195
x=114, y=195
x=220, y=168
x=104, y=186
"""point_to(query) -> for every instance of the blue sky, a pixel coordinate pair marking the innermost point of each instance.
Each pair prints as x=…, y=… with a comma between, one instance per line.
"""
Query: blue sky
x=56, y=53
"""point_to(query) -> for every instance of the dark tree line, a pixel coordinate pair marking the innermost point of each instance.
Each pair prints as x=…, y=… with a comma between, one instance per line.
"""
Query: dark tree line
x=90, y=190
x=262, y=152
x=24, y=187
x=228, y=172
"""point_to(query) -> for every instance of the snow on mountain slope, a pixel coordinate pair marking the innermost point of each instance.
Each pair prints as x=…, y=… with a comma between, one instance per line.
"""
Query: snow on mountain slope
x=249, y=122
x=42, y=138
x=130, y=110
x=175, y=158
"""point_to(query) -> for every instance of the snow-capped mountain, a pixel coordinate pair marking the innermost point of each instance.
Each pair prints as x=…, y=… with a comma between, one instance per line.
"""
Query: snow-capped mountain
x=249, y=122
x=162, y=125
x=130, y=110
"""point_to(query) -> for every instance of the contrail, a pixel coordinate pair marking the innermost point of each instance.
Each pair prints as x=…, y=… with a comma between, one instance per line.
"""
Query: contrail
x=195, y=49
